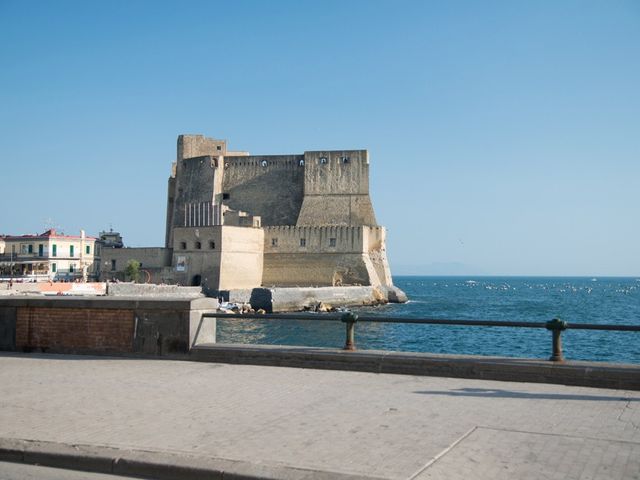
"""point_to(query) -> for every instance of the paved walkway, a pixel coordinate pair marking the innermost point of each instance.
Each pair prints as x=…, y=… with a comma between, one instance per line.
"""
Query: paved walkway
x=376, y=425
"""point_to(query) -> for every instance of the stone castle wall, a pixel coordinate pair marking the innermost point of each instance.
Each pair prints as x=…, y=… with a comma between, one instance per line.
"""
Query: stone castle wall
x=324, y=256
x=318, y=224
x=218, y=258
x=190, y=146
x=268, y=185
x=194, y=185
x=336, y=189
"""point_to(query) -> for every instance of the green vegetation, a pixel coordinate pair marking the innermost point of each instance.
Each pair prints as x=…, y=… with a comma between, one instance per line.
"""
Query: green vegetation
x=132, y=271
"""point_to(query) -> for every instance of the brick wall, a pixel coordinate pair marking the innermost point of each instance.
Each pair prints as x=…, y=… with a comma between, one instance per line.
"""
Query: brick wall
x=75, y=329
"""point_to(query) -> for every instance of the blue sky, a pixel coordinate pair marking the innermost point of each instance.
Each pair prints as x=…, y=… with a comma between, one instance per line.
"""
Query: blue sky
x=504, y=136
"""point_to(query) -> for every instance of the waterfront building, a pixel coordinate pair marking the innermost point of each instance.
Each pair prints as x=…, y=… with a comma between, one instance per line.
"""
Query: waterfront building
x=47, y=256
x=239, y=221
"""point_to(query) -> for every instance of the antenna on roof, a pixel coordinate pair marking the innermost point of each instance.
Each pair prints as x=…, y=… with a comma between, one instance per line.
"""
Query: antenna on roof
x=50, y=224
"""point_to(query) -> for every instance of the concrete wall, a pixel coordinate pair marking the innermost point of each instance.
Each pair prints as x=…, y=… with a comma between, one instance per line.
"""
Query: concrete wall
x=242, y=258
x=150, y=290
x=273, y=192
x=105, y=325
x=293, y=299
x=151, y=258
x=336, y=189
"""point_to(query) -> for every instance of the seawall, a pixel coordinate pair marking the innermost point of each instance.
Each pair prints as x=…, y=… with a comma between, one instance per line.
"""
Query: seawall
x=296, y=299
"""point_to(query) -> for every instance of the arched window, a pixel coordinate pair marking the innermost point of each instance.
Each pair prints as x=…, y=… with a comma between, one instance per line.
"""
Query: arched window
x=301, y=163
x=323, y=160
x=264, y=163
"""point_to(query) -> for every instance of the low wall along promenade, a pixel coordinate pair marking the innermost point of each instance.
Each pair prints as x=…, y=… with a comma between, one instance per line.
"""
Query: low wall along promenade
x=105, y=325
x=186, y=328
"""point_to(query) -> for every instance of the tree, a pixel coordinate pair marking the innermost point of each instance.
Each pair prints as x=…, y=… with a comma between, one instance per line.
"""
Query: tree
x=132, y=271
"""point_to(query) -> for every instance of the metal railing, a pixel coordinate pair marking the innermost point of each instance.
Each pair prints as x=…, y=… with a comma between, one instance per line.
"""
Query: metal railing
x=555, y=326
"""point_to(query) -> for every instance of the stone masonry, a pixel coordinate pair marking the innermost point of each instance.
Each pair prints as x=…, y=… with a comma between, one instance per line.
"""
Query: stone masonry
x=241, y=221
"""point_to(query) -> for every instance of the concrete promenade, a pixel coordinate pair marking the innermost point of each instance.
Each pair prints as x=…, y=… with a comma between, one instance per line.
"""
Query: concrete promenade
x=273, y=422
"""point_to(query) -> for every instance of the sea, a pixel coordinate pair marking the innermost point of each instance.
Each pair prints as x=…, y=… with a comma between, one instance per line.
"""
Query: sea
x=597, y=300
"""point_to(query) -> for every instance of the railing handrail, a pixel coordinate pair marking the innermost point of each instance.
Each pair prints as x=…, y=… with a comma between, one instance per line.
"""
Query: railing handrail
x=424, y=321
x=555, y=326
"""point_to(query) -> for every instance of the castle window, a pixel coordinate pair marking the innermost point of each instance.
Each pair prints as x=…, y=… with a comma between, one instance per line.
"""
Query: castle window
x=274, y=242
x=301, y=163
x=332, y=242
x=344, y=159
x=183, y=245
x=303, y=242
x=212, y=245
x=218, y=147
x=225, y=196
x=198, y=246
x=264, y=163
x=323, y=160
x=113, y=265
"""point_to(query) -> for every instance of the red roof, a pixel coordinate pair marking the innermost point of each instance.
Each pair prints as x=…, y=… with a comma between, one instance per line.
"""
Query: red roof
x=51, y=233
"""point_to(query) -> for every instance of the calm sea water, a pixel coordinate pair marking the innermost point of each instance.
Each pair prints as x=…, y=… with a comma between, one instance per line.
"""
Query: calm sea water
x=578, y=300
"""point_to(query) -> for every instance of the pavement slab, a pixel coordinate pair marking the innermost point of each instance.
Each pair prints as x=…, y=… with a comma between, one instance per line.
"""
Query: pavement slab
x=351, y=423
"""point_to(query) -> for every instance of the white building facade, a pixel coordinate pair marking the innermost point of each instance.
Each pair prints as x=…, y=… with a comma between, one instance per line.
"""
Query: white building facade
x=48, y=256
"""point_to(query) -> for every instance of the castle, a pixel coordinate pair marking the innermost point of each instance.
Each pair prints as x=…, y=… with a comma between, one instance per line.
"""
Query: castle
x=240, y=221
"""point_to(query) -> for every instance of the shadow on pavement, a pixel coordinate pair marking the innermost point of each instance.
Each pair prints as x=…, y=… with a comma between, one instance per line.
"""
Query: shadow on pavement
x=498, y=393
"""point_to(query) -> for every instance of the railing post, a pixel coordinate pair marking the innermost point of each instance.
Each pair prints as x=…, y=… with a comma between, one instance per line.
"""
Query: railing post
x=556, y=326
x=350, y=319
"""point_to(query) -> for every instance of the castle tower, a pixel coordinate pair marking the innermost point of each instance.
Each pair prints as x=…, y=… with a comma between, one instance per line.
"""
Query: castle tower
x=336, y=189
x=191, y=190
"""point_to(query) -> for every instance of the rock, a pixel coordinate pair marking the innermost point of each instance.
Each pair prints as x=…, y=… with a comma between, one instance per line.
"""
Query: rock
x=323, y=307
x=395, y=295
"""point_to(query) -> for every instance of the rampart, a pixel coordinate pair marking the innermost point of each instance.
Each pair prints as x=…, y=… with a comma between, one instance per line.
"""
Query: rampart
x=324, y=256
